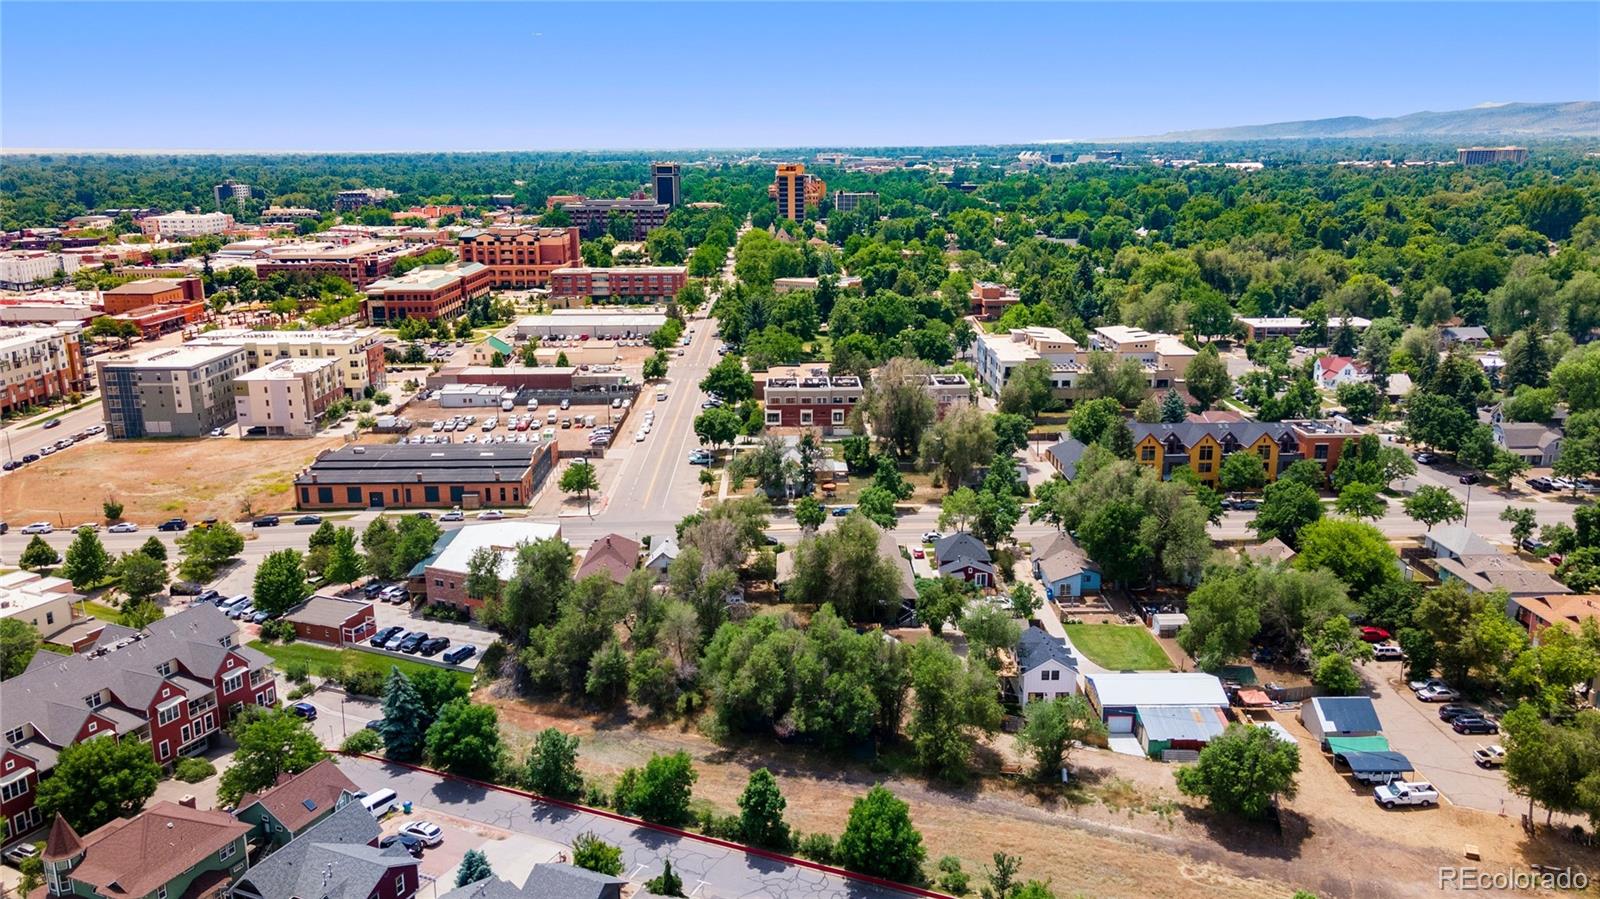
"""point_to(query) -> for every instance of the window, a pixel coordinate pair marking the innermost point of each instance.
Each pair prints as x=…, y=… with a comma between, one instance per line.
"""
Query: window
x=14, y=736
x=838, y=416
x=11, y=789
x=1206, y=453
x=400, y=883
x=169, y=713
x=227, y=852
x=233, y=682
x=1320, y=451
x=161, y=893
x=1147, y=454
x=164, y=750
x=1205, y=467
x=93, y=701
x=164, y=669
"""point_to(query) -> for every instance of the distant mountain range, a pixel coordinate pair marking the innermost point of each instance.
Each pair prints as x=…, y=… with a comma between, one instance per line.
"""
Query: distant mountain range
x=1508, y=120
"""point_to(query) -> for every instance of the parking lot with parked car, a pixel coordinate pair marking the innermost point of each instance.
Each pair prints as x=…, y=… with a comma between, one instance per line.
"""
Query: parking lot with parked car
x=1443, y=757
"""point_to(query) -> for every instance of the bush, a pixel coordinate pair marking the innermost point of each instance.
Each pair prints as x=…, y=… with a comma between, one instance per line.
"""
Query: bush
x=816, y=846
x=363, y=682
x=296, y=670
x=723, y=827
x=595, y=796
x=193, y=770
x=301, y=691
x=494, y=655
x=364, y=740
x=278, y=630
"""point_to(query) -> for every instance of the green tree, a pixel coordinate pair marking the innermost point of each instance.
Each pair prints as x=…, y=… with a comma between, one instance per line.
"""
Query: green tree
x=38, y=555
x=344, y=564
x=718, y=426
x=667, y=883
x=809, y=514
x=280, y=582
x=405, y=718
x=897, y=405
x=205, y=550
x=465, y=740
x=595, y=854
x=728, y=381
x=473, y=868
x=941, y=601
x=1335, y=675
x=1356, y=552
x=378, y=545
x=1287, y=507
x=154, y=548
x=879, y=838
x=139, y=614
x=580, y=477
x=1025, y=601
x=87, y=561
x=140, y=576
x=843, y=567
x=877, y=506
x=1243, y=772
x=552, y=768
x=1091, y=420
x=1506, y=466
x=1173, y=409
x=1207, y=377
x=112, y=509
x=1052, y=728
x=1242, y=471
x=1432, y=505
x=1361, y=500
x=761, y=808
x=660, y=793
x=1522, y=522
x=607, y=681
x=1112, y=535
x=1361, y=400
x=97, y=781
x=18, y=643
x=1224, y=614
x=1027, y=391
x=269, y=742
x=953, y=703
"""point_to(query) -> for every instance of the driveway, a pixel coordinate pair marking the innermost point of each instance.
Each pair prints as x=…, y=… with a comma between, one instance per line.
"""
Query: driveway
x=1442, y=756
x=708, y=870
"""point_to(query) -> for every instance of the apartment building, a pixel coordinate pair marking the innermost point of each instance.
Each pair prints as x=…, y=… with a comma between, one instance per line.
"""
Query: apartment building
x=1163, y=354
x=22, y=268
x=593, y=217
x=288, y=214
x=428, y=292
x=849, y=201
x=1471, y=156
x=44, y=602
x=359, y=351
x=173, y=685
x=338, y=857
x=412, y=476
x=350, y=200
x=40, y=364
x=1203, y=445
x=287, y=398
x=949, y=391
x=627, y=284
x=180, y=392
x=991, y=300
x=794, y=190
x=443, y=574
x=521, y=257
x=1257, y=328
x=808, y=397
x=667, y=183
x=185, y=224
x=361, y=262
x=1164, y=358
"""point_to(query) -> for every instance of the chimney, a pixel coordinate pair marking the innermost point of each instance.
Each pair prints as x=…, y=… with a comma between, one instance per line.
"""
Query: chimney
x=187, y=801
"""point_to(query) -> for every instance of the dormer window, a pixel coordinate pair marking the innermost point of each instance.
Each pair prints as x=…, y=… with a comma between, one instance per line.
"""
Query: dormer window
x=164, y=669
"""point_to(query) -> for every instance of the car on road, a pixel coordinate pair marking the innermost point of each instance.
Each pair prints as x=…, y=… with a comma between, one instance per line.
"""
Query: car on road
x=29, y=458
x=10, y=464
x=1470, y=478
x=265, y=521
x=1437, y=694
x=425, y=831
x=699, y=457
x=383, y=636
x=173, y=524
x=1474, y=724
x=433, y=645
x=1405, y=792
x=408, y=842
x=842, y=511
x=916, y=552
x=124, y=527
x=1374, y=634
x=413, y=642
x=309, y=519
x=661, y=396
x=638, y=436
x=1246, y=505
x=1491, y=756
x=1425, y=458
x=305, y=710
x=460, y=654
x=1388, y=652
x=52, y=423
x=1453, y=710
x=217, y=432
x=453, y=515
x=1429, y=682
x=39, y=527
x=491, y=515
x=932, y=537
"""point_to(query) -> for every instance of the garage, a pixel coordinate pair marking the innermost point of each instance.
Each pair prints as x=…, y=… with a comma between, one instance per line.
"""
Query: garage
x=1119, y=724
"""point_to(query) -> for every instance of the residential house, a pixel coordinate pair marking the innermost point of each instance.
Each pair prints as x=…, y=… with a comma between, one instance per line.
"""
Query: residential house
x=1273, y=551
x=1335, y=370
x=1340, y=716
x=332, y=620
x=961, y=555
x=335, y=858
x=1488, y=572
x=1064, y=455
x=167, y=851
x=175, y=685
x=1454, y=541
x=1539, y=612
x=1046, y=668
x=1121, y=699
x=442, y=576
x=287, y=809
x=1470, y=335
x=663, y=550
x=1202, y=447
x=613, y=556
x=906, y=582
x=1539, y=443
x=1064, y=568
x=547, y=881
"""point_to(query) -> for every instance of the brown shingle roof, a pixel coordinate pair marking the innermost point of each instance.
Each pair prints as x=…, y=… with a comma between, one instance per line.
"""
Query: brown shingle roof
x=319, y=784
x=612, y=555
x=134, y=856
x=63, y=840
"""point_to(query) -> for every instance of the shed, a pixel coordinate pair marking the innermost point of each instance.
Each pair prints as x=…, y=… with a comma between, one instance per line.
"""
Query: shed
x=1163, y=728
x=1340, y=716
x=1117, y=697
x=334, y=621
x=1167, y=624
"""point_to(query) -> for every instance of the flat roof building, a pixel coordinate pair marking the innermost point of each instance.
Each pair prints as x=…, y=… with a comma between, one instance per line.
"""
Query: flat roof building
x=428, y=292
x=136, y=295
x=286, y=398
x=444, y=573
x=521, y=257
x=640, y=283
x=1259, y=328
x=185, y=224
x=1471, y=156
x=361, y=262
x=359, y=351
x=794, y=190
x=593, y=217
x=666, y=182
x=591, y=322
x=850, y=200
x=177, y=392
x=808, y=396
x=21, y=268
x=40, y=364
x=411, y=476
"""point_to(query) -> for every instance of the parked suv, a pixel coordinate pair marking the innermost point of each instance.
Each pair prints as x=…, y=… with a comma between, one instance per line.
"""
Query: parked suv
x=173, y=524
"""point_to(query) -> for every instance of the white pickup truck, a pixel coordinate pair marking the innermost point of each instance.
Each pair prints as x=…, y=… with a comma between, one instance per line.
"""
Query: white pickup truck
x=1405, y=792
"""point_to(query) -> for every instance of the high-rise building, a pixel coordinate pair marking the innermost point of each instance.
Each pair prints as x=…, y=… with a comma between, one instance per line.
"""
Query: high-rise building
x=794, y=190
x=347, y=200
x=231, y=191
x=664, y=177
x=520, y=257
x=848, y=200
x=179, y=392
x=1470, y=156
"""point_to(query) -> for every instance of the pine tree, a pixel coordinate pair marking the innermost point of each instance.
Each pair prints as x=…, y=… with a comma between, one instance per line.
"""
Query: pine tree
x=1173, y=410
x=405, y=719
x=667, y=884
x=474, y=867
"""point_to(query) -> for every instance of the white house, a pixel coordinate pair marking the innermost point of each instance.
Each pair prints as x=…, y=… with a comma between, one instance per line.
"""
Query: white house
x=1335, y=370
x=1046, y=668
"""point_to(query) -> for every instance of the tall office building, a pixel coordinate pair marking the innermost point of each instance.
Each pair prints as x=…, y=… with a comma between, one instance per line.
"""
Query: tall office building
x=664, y=177
x=1469, y=156
x=794, y=189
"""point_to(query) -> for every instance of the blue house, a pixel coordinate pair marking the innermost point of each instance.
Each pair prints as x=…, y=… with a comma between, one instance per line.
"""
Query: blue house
x=1064, y=569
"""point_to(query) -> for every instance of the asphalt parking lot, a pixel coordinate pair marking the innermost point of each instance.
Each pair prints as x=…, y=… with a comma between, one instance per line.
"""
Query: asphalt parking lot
x=1442, y=756
x=459, y=632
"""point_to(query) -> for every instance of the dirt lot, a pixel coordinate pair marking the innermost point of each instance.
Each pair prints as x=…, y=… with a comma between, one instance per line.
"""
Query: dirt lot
x=1125, y=831
x=157, y=479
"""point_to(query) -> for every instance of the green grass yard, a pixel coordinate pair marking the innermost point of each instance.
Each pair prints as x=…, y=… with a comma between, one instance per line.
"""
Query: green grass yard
x=320, y=658
x=1119, y=647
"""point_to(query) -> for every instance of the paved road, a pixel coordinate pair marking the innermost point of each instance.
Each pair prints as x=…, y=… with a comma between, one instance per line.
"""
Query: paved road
x=717, y=871
x=28, y=437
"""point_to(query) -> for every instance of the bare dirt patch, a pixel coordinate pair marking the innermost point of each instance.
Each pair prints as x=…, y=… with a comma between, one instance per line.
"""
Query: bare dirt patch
x=157, y=479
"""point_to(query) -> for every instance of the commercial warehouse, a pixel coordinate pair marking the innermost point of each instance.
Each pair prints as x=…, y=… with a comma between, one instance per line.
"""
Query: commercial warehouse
x=413, y=476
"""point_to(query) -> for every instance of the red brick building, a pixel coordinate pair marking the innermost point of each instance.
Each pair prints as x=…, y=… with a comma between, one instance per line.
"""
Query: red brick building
x=520, y=257
x=174, y=685
x=413, y=476
x=327, y=619
x=644, y=283
x=808, y=397
x=360, y=263
x=153, y=292
x=429, y=292
x=154, y=321
x=40, y=363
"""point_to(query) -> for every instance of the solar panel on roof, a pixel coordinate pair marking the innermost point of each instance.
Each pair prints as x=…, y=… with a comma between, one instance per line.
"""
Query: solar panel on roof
x=310, y=804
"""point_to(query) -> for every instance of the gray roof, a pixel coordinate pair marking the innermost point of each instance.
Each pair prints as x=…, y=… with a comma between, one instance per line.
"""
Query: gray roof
x=960, y=545
x=1037, y=647
x=332, y=859
x=889, y=548
x=1181, y=722
x=1347, y=714
x=1459, y=540
x=327, y=611
x=410, y=463
x=50, y=695
x=1465, y=332
x=1065, y=454
x=546, y=881
x=1062, y=557
x=1517, y=435
x=1188, y=433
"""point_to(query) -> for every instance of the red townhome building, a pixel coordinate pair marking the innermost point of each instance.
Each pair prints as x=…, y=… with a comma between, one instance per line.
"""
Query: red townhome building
x=808, y=397
x=174, y=685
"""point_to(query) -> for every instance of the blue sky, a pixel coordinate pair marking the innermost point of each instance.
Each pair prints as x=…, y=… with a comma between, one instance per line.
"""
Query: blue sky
x=424, y=76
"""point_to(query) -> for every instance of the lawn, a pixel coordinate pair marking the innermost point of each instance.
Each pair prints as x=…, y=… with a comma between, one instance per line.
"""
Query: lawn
x=322, y=657
x=101, y=611
x=1119, y=647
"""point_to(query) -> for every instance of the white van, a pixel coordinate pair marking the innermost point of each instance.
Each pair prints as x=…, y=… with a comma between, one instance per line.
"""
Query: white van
x=380, y=803
x=533, y=402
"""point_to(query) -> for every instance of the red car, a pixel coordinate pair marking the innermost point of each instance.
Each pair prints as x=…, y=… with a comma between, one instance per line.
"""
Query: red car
x=1374, y=634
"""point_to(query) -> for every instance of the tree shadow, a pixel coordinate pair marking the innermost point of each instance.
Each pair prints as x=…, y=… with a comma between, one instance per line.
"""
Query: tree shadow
x=1281, y=836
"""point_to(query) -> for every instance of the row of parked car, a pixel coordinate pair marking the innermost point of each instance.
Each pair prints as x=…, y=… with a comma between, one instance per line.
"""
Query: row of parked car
x=1547, y=485
x=397, y=639
x=51, y=449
